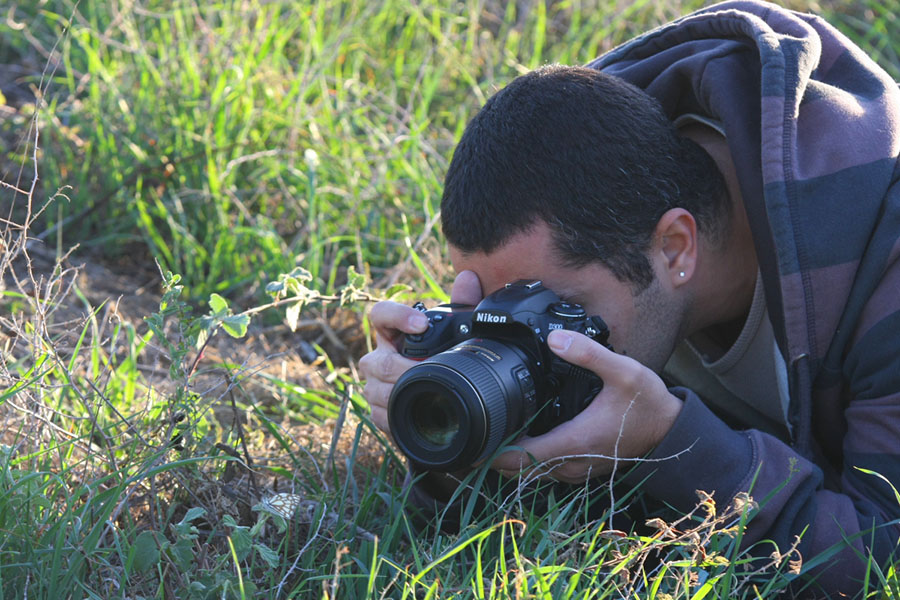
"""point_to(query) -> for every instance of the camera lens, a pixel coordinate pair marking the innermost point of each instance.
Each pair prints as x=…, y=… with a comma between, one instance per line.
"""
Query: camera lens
x=456, y=408
x=434, y=418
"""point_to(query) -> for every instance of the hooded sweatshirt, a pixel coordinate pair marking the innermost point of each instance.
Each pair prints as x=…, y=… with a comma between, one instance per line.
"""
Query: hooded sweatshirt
x=813, y=126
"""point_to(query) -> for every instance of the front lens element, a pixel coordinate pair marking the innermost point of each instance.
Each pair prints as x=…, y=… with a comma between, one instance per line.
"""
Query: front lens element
x=456, y=408
x=434, y=418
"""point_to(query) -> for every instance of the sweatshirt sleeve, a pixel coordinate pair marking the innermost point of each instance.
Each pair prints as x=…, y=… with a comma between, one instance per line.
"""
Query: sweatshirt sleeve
x=708, y=455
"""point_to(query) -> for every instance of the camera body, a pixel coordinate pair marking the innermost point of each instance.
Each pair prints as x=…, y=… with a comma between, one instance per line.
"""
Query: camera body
x=487, y=373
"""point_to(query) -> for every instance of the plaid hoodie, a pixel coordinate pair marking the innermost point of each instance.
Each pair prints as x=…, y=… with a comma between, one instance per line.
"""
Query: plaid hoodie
x=813, y=126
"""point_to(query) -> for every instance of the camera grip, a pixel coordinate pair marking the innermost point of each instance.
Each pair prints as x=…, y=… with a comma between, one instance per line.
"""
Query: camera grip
x=448, y=324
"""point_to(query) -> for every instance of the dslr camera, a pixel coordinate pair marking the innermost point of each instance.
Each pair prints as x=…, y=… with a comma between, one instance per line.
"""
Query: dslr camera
x=487, y=373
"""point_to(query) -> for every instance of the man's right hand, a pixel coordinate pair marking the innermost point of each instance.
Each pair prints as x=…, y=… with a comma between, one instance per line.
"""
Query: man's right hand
x=383, y=366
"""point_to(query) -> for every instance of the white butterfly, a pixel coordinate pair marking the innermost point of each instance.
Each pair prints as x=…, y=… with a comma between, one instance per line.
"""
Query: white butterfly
x=283, y=505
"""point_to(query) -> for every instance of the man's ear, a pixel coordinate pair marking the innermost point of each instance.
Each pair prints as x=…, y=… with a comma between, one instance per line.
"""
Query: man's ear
x=674, y=248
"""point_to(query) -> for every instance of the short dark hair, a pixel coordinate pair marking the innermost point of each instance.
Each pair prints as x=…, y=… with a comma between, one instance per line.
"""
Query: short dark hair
x=591, y=155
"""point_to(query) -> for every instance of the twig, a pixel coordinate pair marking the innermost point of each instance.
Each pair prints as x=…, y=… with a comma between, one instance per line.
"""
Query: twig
x=309, y=541
x=336, y=434
x=315, y=296
x=546, y=467
x=612, y=474
x=236, y=420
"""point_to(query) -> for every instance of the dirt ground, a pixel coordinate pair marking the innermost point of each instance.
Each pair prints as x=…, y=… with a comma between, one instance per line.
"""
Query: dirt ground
x=79, y=287
x=84, y=290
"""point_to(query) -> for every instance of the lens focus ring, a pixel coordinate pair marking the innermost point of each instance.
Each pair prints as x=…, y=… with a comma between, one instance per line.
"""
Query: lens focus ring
x=457, y=407
x=469, y=360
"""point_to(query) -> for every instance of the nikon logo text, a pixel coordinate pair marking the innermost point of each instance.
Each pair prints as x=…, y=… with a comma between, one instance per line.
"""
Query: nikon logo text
x=489, y=318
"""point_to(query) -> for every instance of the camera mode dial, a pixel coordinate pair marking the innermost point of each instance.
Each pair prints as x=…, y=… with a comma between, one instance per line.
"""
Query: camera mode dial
x=488, y=373
x=567, y=310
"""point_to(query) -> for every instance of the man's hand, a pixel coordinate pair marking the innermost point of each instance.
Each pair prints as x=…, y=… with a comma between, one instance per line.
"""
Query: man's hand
x=383, y=366
x=627, y=419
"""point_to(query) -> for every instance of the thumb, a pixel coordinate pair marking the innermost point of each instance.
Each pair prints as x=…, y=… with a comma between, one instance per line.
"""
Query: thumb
x=582, y=351
x=466, y=288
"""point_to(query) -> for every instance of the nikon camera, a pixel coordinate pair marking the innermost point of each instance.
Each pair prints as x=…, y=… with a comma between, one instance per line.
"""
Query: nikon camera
x=487, y=374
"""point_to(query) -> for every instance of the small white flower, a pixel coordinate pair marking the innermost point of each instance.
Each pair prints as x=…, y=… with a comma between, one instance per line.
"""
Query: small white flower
x=311, y=158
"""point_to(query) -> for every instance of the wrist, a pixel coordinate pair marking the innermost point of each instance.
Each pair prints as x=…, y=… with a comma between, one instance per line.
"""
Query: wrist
x=665, y=418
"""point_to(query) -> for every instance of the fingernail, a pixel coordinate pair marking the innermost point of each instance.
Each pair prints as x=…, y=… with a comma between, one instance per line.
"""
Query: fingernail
x=418, y=322
x=559, y=340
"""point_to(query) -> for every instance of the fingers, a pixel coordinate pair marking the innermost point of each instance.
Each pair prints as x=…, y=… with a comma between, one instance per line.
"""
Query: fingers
x=466, y=288
x=630, y=417
x=579, y=448
x=379, y=416
x=384, y=364
x=391, y=320
x=381, y=368
x=560, y=454
x=584, y=352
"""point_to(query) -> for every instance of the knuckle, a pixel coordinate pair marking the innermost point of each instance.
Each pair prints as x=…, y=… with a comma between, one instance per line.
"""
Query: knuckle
x=584, y=352
x=370, y=391
x=577, y=355
x=631, y=376
x=379, y=417
x=378, y=365
x=378, y=394
x=365, y=364
x=386, y=368
x=380, y=310
x=388, y=315
x=570, y=472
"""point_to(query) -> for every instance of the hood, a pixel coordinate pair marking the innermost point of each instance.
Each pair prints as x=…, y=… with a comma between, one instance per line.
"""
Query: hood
x=813, y=125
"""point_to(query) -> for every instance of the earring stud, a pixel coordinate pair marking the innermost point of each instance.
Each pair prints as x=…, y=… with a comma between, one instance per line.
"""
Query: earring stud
x=681, y=274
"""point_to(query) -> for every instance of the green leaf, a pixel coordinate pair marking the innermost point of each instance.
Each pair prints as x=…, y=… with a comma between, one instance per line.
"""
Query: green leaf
x=182, y=553
x=396, y=289
x=296, y=288
x=883, y=478
x=268, y=555
x=281, y=524
x=202, y=335
x=146, y=551
x=356, y=283
x=241, y=542
x=292, y=315
x=301, y=274
x=236, y=325
x=193, y=514
x=254, y=531
x=218, y=304
x=354, y=279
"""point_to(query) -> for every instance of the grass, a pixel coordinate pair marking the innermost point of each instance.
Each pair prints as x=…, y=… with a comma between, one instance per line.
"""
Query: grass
x=296, y=147
x=202, y=116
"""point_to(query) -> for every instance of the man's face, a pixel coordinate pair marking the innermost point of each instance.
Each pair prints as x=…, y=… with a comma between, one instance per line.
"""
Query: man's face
x=645, y=327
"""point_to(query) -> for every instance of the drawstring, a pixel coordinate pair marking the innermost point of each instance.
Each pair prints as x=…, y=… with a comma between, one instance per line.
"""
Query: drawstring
x=801, y=405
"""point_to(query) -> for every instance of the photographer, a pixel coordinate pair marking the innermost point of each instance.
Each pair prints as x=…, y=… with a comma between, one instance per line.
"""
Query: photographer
x=724, y=192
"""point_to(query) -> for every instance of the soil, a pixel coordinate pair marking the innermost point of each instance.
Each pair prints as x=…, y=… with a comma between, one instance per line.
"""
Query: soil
x=85, y=292
x=81, y=291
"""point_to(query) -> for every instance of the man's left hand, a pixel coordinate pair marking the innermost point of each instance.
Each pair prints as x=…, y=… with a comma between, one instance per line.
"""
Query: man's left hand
x=626, y=420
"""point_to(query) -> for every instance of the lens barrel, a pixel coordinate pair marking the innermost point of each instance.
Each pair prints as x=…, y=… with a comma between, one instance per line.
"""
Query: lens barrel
x=456, y=408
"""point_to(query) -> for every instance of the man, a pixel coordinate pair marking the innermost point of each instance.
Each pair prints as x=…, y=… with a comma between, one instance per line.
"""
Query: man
x=724, y=192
